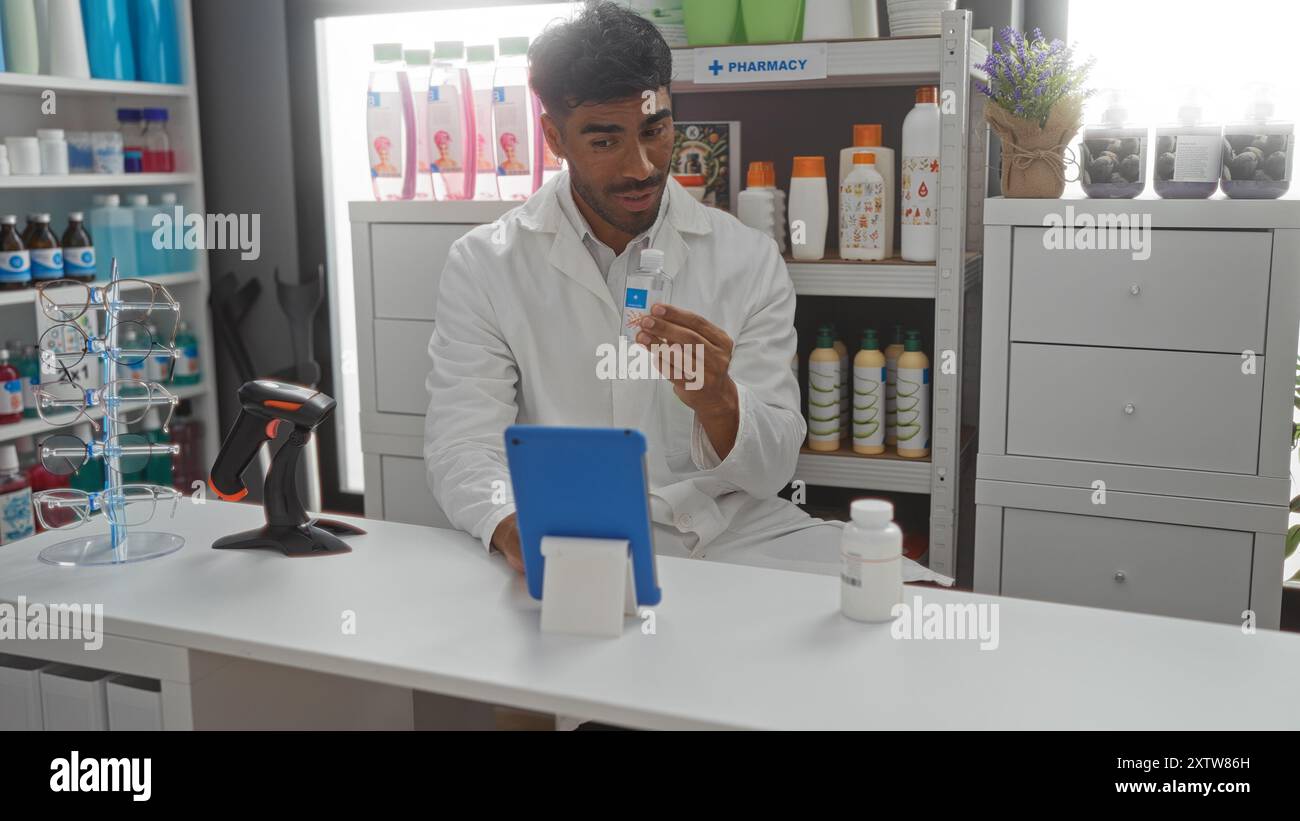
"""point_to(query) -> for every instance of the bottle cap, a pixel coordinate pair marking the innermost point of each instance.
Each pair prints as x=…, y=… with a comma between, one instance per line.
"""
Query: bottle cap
x=49, y=133
x=169, y=198
x=871, y=512
x=927, y=94
x=138, y=199
x=825, y=337
x=128, y=115
x=652, y=259
x=155, y=115
x=112, y=200
x=448, y=50
x=387, y=52
x=913, y=342
x=869, y=340
x=809, y=167
x=866, y=134
x=512, y=46
x=481, y=54
x=8, y=219
x=761, y=175
x=76, y=216
x=45, y=218
x=8, y=459
x=417, y=56
x=864, y=158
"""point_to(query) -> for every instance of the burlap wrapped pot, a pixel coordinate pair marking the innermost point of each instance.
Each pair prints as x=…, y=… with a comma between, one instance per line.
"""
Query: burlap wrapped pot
x=1033, y=158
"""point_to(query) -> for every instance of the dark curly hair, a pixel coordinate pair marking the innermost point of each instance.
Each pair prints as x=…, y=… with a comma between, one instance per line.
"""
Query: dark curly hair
x=607, y=52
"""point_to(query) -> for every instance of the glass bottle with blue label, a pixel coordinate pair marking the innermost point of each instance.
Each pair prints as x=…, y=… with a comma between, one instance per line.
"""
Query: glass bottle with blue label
x=47, y=257
x=78, y=250
x=646, y=287
x=15, y=260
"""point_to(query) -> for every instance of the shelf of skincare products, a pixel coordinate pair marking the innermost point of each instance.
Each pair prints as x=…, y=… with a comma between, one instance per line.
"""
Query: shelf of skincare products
x=33, y=181
x=38, y=427
x=849, y=63
x=28, y=295
x=11, y=82
x=832, y=276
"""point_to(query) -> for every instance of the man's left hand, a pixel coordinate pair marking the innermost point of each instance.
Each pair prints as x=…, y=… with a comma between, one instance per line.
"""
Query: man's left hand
x=696, y=358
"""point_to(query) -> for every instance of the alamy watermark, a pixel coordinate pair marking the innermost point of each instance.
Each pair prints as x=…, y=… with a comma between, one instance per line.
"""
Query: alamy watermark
x=211, y=232
x=67, y=622
x=1086, y=232
x=659, y=360
x=952, y=620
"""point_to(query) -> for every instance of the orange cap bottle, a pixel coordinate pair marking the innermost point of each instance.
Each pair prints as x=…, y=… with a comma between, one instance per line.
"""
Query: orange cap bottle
x=866, y=134
x=927, y=94
x=809, y=167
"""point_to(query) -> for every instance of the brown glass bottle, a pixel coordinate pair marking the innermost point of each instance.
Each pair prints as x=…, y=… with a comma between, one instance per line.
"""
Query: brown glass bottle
x=47, y=259
x=15, y=262
x=78, y=250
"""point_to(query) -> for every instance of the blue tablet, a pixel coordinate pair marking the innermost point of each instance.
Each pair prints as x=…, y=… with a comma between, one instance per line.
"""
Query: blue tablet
x=582, y=482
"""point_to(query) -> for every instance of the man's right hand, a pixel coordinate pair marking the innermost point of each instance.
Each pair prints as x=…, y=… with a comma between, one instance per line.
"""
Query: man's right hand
x=506, y=539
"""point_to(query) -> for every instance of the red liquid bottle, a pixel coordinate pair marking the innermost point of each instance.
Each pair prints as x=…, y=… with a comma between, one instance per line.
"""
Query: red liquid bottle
x=11, y=391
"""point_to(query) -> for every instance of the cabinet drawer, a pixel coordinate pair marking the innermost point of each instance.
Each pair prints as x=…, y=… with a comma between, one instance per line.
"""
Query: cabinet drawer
x=1171, y=409
x=1199, y=291
x=407, y=261
x=407, y=497
x=1121, y=564
x=402, y=365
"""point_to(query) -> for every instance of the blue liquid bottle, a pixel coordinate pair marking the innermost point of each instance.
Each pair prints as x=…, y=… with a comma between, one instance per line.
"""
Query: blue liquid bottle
x=113, y=228
x=108, y=39
x=153, y=28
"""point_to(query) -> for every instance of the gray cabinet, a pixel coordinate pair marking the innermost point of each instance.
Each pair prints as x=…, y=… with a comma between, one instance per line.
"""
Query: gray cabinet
x=398, y=253
x=1135, y=412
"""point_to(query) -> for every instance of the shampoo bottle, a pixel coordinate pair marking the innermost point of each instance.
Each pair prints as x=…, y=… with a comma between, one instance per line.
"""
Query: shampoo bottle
x=1189, y=155
x=913, y=400
x=479, y=61
x=862, y=206
x=809, y=210
x=920, y=180
x=868, y=136
x=824, y=394
x=451, y=124
x=756, y=205
x=869, y=396
x=892, y=353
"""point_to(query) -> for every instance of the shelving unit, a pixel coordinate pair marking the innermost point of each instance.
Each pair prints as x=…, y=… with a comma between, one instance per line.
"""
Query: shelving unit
x=948, y=61
x=90, y=105
x=31, y=183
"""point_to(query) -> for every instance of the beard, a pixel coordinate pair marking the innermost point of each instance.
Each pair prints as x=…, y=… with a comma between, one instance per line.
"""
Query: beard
x=603, y=203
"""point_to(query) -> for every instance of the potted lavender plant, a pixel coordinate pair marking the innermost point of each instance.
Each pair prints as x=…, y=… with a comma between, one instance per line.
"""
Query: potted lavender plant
x=1037, y=94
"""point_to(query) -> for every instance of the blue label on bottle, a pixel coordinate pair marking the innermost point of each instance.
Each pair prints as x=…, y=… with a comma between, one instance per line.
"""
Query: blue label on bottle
x=15, y=266
x=636, y=298
x=433, y=94
x=373, y=99
x=499, y=94
x=47, y=263
x=925, y=376
x=79, y=261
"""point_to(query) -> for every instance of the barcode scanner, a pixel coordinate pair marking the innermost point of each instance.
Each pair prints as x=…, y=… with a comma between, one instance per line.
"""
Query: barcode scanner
x=264, y=406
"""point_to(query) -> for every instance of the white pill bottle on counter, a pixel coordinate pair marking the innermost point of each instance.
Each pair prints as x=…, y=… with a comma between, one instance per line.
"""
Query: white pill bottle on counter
x=871, y=562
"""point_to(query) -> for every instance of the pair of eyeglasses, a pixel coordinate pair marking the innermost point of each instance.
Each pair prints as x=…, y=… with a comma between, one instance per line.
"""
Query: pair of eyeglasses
x=66, y=300
x=63, y=454
x=129, y=505
x=62, y=347
x=124, y=400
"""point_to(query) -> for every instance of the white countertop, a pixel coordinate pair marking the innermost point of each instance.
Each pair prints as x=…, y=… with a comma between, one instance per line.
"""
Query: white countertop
x=734, y=646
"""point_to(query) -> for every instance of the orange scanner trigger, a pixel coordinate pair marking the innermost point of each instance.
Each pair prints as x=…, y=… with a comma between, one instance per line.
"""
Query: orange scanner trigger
x=282, y=405
x=272, y=428
x=229, y=497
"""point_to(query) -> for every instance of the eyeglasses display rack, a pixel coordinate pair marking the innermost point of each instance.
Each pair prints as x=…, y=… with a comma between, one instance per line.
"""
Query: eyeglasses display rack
x=124, y=505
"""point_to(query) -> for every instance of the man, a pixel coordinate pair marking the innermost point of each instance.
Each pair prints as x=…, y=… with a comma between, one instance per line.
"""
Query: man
x=529, y=306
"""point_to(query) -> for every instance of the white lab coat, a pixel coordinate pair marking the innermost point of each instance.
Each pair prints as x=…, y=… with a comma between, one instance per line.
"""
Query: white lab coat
x=522, y=311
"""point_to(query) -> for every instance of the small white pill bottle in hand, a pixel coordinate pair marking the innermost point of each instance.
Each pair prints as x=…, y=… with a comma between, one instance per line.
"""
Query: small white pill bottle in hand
x=871, y=562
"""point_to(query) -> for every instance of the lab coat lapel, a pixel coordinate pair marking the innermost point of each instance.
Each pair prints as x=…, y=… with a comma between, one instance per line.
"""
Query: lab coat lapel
x=571, y=258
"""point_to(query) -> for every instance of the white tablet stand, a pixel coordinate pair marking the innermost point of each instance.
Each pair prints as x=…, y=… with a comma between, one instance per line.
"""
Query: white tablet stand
x=587, y=589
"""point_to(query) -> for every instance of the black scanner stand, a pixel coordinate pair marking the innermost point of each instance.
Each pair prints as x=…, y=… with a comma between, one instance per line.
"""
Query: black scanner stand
x=288, y=527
